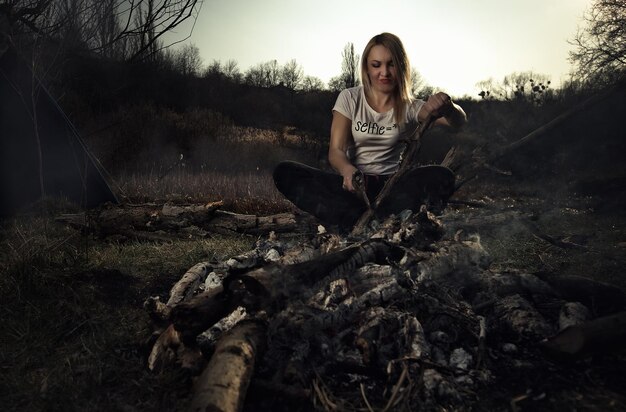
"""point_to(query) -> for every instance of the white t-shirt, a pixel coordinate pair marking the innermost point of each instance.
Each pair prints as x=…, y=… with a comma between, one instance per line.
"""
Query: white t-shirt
x=377, y=138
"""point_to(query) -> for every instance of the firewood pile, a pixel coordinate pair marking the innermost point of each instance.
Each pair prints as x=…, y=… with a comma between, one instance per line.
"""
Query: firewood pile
x=407, y=315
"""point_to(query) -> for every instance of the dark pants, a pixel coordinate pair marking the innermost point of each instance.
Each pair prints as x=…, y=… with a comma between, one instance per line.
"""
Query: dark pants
x=321, y=194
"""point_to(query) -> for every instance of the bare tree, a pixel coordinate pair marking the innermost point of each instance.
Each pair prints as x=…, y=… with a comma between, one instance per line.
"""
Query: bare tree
x=524, y=85
x=214, y=69
x=255, y=76
x=419, y=86
x=292, y=74
x=98, y=25
x=349, y=70
x=267, y=74
x=487, y=89
x=106, y=29
x=311, y=83
x=231, y=71
x=188, y=62
x=600, y=47
x=528, y=86
x=350, y=66
x=272, y=72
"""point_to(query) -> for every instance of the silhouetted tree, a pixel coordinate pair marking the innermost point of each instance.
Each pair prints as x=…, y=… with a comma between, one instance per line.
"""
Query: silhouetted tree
x=487, y=89
x=214, y=69
x=600, y=46
x=528, y=86
x=267, y=74
x=292, y=75
x=254, y=76
x=311, y=83
x=419, y=87
x=272, y=73
x=106, y=27
x=187, y=61
x=349, y=70
x=231, y=71
x=350, y=65
x=138, y=25
x=524, y=85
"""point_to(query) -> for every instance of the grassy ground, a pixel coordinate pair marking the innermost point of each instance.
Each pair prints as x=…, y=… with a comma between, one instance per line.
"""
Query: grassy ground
x=73, y=324
x=601, y=234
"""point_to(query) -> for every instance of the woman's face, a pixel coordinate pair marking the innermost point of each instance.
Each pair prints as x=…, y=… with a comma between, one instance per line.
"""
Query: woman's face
x=381, y=70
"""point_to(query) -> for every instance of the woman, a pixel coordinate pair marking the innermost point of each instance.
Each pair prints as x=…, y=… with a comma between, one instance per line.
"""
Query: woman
x=370, y=124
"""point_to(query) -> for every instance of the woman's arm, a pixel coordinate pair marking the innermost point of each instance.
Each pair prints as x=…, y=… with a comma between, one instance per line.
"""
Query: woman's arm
x=444, y=109
x=340, y=139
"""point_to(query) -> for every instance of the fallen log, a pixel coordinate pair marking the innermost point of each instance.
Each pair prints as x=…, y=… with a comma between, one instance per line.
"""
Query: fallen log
x=154, y=222
x=224, y=382
x=227, y=222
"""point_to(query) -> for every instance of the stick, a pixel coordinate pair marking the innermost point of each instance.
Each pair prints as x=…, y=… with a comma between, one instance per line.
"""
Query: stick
x=408, y=162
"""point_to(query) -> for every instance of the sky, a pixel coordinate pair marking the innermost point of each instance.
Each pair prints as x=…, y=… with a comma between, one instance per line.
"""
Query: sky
x=453, y=44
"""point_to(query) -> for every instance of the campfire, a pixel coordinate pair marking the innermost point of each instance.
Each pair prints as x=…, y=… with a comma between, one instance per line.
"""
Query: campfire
x=407, y=315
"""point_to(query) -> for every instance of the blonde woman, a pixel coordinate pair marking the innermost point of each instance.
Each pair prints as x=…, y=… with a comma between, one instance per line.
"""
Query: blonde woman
x=370, y=124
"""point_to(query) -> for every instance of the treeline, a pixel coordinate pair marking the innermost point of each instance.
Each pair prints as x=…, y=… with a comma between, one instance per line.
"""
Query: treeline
x=108, y=66
x=89, y=85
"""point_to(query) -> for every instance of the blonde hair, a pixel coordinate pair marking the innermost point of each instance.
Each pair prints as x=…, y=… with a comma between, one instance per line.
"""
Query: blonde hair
x=403, y=96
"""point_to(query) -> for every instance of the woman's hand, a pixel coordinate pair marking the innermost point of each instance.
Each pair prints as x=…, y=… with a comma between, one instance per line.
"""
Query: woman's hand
x=443, y=110
x=438, y=105
x=348, y=174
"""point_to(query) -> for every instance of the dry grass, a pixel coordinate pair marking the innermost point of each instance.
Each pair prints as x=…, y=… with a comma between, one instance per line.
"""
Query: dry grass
x=235, y=167
x=252, y=192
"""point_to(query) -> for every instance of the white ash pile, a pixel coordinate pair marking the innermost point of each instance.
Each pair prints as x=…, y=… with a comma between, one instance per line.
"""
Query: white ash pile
x=402, y=318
